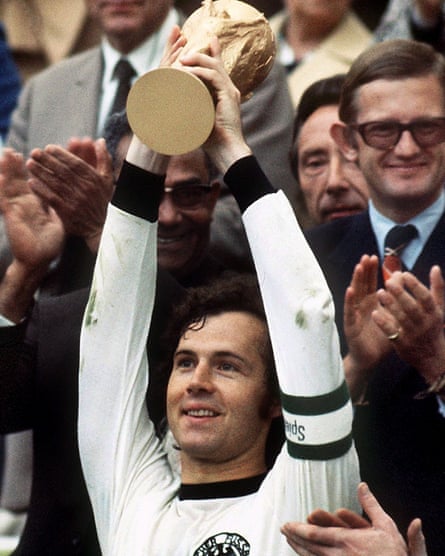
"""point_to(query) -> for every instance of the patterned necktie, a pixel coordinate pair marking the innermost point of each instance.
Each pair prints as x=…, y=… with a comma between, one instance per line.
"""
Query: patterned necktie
x=124, y=72
x=396, y=240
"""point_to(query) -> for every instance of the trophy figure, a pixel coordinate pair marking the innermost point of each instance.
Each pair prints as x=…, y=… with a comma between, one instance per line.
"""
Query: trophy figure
x=171, y=110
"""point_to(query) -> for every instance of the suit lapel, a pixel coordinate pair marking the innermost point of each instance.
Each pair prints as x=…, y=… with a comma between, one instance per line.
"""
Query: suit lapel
x=88, y=89
x=433, y=253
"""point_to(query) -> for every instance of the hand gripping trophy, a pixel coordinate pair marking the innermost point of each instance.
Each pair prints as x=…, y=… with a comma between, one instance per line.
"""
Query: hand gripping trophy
x=171, y=110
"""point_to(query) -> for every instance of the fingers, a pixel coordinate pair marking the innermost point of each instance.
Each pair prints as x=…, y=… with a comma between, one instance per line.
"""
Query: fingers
x=437, y=287
x=416, y=540
x=351, y=519
x=325, y=519
x=309, y=540
x=173, y=48
x=379, y=518
x=408, y=304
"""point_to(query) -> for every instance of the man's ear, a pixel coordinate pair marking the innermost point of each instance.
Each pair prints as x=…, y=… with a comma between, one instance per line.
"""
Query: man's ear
x=275, y=409
x=346, y=142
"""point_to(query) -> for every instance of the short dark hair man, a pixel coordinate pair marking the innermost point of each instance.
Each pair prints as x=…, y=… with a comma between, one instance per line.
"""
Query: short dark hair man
x=330, y=186
x=219, y=408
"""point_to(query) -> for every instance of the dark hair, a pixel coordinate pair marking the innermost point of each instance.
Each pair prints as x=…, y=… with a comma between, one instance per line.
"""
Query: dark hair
x=324, y=92
x=392, y=60
x=231, y=292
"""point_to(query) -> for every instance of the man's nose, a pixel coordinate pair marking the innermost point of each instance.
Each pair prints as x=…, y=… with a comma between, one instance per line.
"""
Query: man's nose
x=201, y=378
x=168, y=212
x=336, y=175
x=406, y=145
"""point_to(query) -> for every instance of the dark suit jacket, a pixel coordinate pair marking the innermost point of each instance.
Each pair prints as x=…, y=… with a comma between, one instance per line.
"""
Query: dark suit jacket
x=38, y=390
x=400, y=440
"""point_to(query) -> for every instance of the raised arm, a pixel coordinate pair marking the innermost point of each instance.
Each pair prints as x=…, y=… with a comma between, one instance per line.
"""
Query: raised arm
x=299, y=306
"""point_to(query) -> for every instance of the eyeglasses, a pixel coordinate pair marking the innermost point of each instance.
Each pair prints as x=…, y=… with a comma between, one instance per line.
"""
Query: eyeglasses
x=384, y=135
x=189, y=196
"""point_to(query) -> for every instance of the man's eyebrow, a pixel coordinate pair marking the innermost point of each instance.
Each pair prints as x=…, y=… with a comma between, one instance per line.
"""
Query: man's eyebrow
x=183, y=352
x=313, y=152
x=221, y=353
x=189, y=181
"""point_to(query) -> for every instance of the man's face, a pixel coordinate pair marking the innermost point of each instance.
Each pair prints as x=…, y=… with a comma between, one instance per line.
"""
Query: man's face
x=332, y=185
x=183, y=232
x=326, y=12
x=406, y=178
x=127, y=23
x=217, y=391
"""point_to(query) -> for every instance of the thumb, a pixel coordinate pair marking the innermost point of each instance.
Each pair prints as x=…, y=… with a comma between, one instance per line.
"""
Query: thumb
x=416, y=540
x=379, y=518
x=104, y=162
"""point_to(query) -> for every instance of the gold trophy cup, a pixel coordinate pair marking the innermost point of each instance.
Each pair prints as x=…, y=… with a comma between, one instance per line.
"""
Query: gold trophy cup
x=172, y=111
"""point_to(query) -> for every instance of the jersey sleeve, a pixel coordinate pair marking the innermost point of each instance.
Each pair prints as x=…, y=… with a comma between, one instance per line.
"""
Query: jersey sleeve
x=115, y=433
x=300, y=311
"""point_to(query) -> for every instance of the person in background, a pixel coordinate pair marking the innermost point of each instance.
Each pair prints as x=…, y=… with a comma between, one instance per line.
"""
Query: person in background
x=421, y=20
x=42, y=32
x=330, y=186
x=392, y=124
x=316, y=40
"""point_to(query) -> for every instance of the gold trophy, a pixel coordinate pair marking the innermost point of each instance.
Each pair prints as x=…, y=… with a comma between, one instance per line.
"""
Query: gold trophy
x=172, y=111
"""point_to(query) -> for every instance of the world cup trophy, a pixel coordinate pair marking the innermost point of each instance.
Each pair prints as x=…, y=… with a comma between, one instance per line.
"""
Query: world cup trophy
x=172, y=111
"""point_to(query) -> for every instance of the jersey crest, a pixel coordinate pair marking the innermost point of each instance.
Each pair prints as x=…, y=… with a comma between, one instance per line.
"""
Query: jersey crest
x=224, y=544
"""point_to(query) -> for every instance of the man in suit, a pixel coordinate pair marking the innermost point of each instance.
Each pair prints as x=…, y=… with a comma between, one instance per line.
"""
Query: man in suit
x=330, y=186
x=392, y=124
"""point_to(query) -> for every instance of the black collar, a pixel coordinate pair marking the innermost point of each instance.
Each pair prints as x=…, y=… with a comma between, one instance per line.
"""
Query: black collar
x=223, y=489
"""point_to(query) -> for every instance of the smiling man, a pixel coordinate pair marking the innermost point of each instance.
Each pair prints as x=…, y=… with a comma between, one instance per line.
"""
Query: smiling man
x=220, y=397
x=392, y=125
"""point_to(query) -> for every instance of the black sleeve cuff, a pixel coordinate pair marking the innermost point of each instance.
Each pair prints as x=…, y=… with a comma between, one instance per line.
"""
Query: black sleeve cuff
x=247, y=181
x=138, y=192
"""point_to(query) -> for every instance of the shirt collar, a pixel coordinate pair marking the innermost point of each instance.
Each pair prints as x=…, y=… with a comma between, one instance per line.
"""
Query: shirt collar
x=425, y=223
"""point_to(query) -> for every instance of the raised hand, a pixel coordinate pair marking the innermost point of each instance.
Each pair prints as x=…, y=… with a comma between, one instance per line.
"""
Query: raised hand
x=345, y=533
x=226, y=143
x=413, y=314
x=34, y=231
x=35, y=235
x=77, y=182
x=367, y=343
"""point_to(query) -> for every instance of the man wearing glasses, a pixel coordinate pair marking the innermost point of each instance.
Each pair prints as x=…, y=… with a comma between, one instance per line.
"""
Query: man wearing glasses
x=392, y=115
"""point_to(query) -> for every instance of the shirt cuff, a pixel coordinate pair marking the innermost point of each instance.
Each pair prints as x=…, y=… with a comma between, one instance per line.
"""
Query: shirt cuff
x=4, y=322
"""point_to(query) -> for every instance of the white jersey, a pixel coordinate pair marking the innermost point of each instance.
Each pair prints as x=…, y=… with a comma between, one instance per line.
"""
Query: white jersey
x=133, y=488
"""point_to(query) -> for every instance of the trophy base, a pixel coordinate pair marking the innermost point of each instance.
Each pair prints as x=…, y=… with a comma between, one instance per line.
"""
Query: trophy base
x=171, y=111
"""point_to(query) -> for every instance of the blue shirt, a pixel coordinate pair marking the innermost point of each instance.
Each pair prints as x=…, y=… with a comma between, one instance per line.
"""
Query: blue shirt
x=425, y=222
